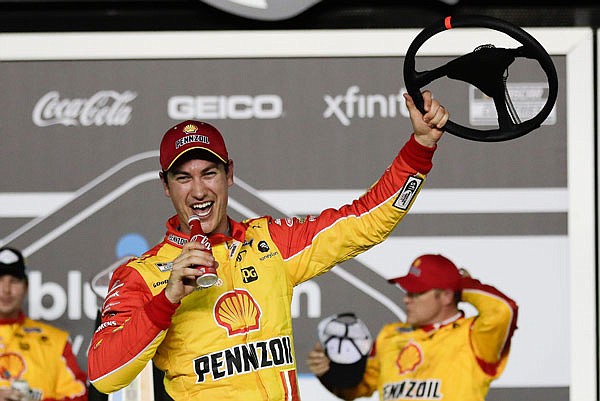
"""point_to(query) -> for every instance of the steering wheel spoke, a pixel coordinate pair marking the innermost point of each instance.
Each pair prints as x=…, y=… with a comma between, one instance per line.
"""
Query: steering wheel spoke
x=505, y=121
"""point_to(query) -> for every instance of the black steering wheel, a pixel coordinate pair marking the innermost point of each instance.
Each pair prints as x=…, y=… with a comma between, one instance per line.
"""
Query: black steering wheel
x=484, y=68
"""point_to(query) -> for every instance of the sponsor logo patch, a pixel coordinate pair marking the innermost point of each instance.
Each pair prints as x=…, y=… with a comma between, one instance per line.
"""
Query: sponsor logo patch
x=413, y=390
x=159, y=283
x=177, y=240
x=191, y=139
x=190, y=129
x=237, y=312
x=408, y=192
x=263, y=246
x=268, y=256
x=240, y=256
x=409, y=358
x=164, y=266
x=244, y=358
x=249, y=274
x=110, y=323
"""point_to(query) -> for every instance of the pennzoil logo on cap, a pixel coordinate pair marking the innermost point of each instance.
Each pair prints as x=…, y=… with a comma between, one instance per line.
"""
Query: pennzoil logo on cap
x=192, y=138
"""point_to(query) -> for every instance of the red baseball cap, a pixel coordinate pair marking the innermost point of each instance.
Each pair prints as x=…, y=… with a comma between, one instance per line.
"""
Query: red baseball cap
x=428, y=272
x=188, y=135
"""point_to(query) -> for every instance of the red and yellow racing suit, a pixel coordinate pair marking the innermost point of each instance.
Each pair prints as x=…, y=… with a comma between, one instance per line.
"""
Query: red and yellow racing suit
x=455, y=360
x=233, y=341
x=41, y=355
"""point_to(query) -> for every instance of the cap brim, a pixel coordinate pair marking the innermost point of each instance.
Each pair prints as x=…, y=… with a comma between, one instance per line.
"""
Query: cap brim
x=194, y=148
x=410, y=284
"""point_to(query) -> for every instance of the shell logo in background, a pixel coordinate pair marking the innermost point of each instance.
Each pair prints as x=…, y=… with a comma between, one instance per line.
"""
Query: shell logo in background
x=409, y=358
x=237, y=312
x=12, y=366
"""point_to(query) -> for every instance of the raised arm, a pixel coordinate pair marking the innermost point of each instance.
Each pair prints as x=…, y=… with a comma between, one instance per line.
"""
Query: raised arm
x=494, y=326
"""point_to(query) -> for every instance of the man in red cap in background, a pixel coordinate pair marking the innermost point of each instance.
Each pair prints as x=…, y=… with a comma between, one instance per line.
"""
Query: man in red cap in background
x=438, y=353
x=231, y=339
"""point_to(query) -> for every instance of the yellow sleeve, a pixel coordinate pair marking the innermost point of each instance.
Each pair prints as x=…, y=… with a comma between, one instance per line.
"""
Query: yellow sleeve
x=493, y=327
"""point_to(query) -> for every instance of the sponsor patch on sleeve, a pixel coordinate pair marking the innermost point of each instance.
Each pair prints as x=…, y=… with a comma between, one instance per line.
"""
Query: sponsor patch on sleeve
x=408, y=192
x=164, y=267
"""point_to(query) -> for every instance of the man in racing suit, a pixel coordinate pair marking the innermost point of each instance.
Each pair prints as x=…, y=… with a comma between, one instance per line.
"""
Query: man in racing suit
x=36, y=360
x=438, y=354
x=233, y=341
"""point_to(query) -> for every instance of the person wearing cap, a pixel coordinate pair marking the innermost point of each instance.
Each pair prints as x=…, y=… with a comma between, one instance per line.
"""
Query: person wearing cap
x=36, y=359
x=438, y=353
x=233, y=340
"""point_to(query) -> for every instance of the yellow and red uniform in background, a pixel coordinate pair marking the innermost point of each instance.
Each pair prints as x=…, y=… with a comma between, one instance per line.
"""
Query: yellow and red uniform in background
x=455, y=360
x=41, y=355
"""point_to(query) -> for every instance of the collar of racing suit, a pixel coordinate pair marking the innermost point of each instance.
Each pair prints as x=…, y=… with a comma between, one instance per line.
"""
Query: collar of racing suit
x=237, y=231
x=436, y=326
x=18, y=319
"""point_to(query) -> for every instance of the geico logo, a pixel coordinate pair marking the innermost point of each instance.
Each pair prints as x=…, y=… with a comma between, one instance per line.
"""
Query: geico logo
x=236, y=107
x=354, y=105
x=50, y=301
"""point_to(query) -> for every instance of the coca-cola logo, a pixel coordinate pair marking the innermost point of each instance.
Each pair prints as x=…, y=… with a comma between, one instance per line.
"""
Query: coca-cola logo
x=105, y=107
x=203, y=239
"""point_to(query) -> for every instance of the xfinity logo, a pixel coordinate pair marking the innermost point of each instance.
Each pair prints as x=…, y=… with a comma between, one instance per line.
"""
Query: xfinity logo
x=235, y=107
x=352, y=104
